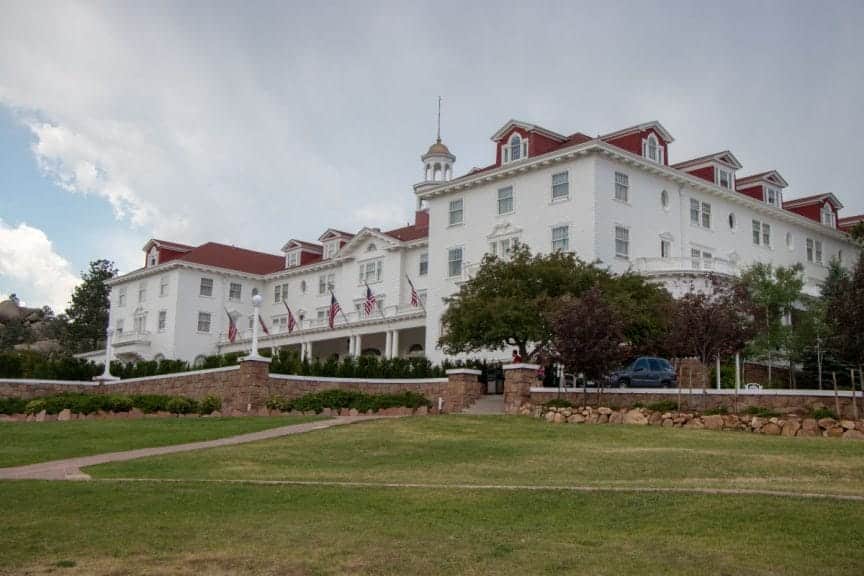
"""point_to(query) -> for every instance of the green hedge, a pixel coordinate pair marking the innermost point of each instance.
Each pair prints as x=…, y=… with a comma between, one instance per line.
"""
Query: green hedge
x=90, y=403
x=338, y=399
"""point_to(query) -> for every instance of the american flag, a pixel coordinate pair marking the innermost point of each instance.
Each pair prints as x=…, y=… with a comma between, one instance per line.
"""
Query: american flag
x=232, y=327
x=371, y=302
x=415, y=297
x=263, y=325
x=291, y=322
x=334, y=310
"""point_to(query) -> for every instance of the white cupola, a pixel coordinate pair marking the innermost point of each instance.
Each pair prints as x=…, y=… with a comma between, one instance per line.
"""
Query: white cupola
x=437, y=161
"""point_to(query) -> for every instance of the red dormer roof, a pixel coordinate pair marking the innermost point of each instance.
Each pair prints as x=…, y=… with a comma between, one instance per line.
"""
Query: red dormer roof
x=725, y=157
x=173, y=246
x=846, y=224
x=772, y=177
x=420, y=228
x=333, y=233
x=814, y=200
x=233, y=258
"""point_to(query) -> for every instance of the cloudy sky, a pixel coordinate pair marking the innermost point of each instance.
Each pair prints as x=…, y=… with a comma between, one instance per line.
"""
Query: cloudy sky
x=250, y=123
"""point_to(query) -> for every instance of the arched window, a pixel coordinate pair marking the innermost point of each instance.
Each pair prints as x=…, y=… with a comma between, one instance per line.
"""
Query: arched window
x=664, y=199
x=371, y=247
x=515, y=147
x=732, y=221
x=436, y=171
x=428, y=168
x=158, y=357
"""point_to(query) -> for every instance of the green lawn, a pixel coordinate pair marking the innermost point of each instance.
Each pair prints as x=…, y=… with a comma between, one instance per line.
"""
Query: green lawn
x=109, y=526
x=232, y=529
x=515, y=450
x=30, y=442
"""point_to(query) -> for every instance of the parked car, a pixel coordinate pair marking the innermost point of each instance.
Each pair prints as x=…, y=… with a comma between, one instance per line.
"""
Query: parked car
x=647, y=371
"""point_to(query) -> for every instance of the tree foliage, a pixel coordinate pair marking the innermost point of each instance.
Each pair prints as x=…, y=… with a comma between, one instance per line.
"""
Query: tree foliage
x=588, y=334
x=506, y=303
x=843, y=294
x=88, y=312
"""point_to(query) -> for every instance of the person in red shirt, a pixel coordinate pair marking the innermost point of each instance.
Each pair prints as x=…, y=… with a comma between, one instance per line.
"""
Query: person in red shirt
x=517, y=359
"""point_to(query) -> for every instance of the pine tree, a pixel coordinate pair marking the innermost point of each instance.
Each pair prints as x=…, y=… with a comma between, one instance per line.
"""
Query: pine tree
x=88, y=314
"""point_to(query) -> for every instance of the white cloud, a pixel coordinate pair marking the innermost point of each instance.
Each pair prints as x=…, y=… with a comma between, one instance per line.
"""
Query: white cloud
x=30, y=268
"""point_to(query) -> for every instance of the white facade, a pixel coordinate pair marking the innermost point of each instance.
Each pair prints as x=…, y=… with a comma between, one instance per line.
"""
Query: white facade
x=601, y=200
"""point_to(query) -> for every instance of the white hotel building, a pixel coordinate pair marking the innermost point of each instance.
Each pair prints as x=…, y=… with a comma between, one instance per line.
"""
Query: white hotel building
x=615, y=198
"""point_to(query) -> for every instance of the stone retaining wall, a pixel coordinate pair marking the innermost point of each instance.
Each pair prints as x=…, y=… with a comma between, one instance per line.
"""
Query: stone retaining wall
x=245, y=388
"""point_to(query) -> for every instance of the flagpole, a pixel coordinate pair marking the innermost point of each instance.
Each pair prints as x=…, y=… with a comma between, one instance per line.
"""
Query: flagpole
x=340, y=309
x=420, y=300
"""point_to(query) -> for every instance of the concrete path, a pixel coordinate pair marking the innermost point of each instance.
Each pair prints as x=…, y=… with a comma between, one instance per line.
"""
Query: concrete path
x=70, y=468
x=487, y=404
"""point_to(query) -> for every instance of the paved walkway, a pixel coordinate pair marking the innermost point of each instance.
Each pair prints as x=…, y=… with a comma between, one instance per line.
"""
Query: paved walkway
x=487, y=404
x=70, y=468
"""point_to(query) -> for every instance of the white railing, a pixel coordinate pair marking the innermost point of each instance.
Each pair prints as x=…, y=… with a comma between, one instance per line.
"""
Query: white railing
x=708, y=265
x=127, y=338
x=348, y=319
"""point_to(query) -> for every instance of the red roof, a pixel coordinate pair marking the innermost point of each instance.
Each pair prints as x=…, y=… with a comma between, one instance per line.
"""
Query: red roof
x=233, y=258
x=408, y=233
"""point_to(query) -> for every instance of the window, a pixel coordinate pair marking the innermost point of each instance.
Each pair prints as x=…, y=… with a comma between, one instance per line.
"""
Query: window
x=371, y=247
x=454, y=262
x=331, y=248
x=456, y=213
x=733, y=221
x=761, y=234
x=814, y=251
x=119, y=329
x=664, y=199
x=818, y=251
x=560, y=186
x=828, y=217
x=142, y=292
x=809, y=250
x=561, y=238
x=790, y=244
x=163, y=320
x=277, y=293
x=772, y=196
x=651, y=149
x=121, y=297
x=303, y=287
x=622, y=187
x=505, y=200
x=163, y=286
x=622, y=242
x=206, y=288
x=701, y=259
x=280, y=324
x=203, y=322
x=503, y=247
x=371, y=272
x=424, y=264
x=140, y=323
x=152, y=260
x=515, y=147
x=665, y=249
x=724, y=178
x=234, y=291
x=326, y=283
x=700, y=213
x=321, y=315
x=292, y=259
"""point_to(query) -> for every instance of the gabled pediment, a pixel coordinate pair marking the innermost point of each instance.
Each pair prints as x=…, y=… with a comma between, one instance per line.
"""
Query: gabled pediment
x=525, y=127
x=361, y=240
x=504, y=229
x=302, y=245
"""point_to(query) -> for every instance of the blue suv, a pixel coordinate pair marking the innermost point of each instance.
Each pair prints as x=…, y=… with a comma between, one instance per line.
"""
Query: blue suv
x=647, y=371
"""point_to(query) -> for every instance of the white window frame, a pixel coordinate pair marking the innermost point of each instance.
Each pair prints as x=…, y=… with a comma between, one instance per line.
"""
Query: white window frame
x=652, y=142
x=665, y=248
x=625, y=254
x=700, y=213
x=121, y=297
x=205, y=320
x=810, y=249
x=208, y=292
x=622, y=187
x=664, y=199
x=772, y=196
x=277, y=293
x=142, y=292
x=371, y=272
x=818, y=251
x=563, y=183
x=508, y=196
x=761, y=234
x=162, y=321
x=118, y=327
x=730, y=178
x=454, y=208
x=701, y=259
x=163, y=286
x=326, y=283
x=451, y=260
x=561, y=244
x=827, y=211
x=139, y=323
x=292, y=259
x=231, y=296
x=423, y=267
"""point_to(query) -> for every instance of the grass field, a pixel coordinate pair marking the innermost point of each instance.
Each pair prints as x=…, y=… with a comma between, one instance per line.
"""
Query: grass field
x=203, y=525
x=511, y=450
x=27, y=443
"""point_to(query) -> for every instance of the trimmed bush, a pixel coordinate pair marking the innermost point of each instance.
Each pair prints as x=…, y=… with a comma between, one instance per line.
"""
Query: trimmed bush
x=822, y=413
x=348, y=399
x=12, y=405
x=558, y=403
x=762, y=412
x=209, y=405
x=663, y=406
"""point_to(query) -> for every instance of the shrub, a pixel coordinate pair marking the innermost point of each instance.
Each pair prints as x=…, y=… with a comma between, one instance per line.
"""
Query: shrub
x=761, y=411
x=348, y=399
x=558, y=403
x=822, y=413
x=716, y=411
x=12, y=405
x=209, y=405
x=663, y=406
x=181, y=405
x=35, y=406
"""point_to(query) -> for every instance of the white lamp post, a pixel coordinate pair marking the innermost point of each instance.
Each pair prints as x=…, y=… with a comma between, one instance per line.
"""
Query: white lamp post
x=256, y=305
x=106, y=374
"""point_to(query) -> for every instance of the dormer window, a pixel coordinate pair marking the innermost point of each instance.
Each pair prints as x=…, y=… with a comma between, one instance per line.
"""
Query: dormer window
x=772, y=196
x=515, y=149
x=292, y=259
x=652, y=150
x=828, y=217
x=153, y=257
x=330, y=249
x=724, y=178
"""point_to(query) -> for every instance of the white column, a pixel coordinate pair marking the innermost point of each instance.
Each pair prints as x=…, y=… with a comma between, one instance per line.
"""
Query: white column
x=106, y=374
x=394, y=344
x=719, y=381
x=388, y=344
x=351, y=345
x=358, y=345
